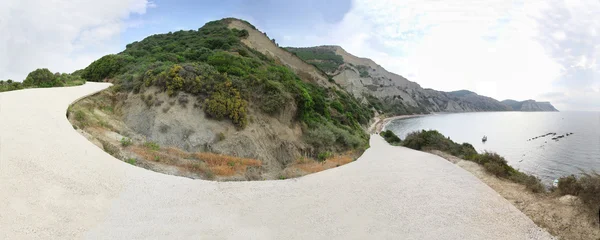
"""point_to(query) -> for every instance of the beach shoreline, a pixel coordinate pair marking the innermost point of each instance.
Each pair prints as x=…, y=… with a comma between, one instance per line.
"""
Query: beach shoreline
x=380, y=123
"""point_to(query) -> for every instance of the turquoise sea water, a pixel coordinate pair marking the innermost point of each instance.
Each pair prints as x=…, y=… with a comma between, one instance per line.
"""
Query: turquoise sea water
x=509, y=135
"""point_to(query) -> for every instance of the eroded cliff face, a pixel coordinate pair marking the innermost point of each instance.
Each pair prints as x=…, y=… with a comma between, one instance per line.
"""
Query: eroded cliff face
x=362, y=76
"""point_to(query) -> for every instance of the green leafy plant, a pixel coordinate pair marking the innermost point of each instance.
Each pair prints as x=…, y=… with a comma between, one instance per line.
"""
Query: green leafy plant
x=390, y=137
x=125, y=142
x=131, y=161
x=152, y=146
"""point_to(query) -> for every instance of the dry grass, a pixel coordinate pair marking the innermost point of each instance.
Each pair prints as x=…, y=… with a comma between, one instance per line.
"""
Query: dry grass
x=224, y=165
x=208, y=164
x=312, y=166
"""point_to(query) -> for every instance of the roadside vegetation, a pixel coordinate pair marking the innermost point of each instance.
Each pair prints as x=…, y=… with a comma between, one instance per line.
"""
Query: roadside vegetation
x=586, y=187
x=491, y=162
x=560, y=221
x=43, y=78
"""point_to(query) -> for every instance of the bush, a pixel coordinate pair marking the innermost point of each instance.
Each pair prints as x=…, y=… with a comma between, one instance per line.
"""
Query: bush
x=125, y=142
x=131, y=161
x=587, y=188
x=226, y=101
x=80, y=116
x=590, y=190
x=319, y=137
x=324, y=156
x=433, y=140
x=390, y=137
x=534, y=184
x=220, y=137
x=42, y=77
x=105, y=67
x=152, y=146
x=569, y=185
x=491, y=162
x=496, y=169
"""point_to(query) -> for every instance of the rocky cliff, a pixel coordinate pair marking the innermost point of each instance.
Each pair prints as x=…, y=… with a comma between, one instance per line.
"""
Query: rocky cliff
x=393, y=93
x=529, y=106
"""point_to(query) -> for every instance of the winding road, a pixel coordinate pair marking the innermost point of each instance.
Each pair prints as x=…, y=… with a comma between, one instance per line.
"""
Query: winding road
x=54, y=184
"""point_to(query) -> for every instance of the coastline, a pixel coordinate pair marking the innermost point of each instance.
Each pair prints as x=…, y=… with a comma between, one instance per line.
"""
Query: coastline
x=380, y=123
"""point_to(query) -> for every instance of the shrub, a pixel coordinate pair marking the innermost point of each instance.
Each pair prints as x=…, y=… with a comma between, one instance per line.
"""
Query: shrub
x=105, y=67
x=131, y=161
x=433, y=140
x=491, y=162
x=495, y=168
x=80, y=116
x=220, y=137
x=174, y=82
x=324, y=156
x=590, y=190
x=227, y=102
x=390, y=137
x=569, y=185
x=587, y=188
x=42, y=77
x=319, y=137
x=534, y=184
x=125, y=142
x=152, y=146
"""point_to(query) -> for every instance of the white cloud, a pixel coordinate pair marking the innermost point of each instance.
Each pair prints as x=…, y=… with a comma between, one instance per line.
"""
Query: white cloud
x=559, y=35
x=486, y=46
x=62, y=35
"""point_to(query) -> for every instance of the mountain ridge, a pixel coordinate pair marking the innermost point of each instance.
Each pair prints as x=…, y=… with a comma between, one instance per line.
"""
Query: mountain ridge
x=364, y=78
x=529, y=105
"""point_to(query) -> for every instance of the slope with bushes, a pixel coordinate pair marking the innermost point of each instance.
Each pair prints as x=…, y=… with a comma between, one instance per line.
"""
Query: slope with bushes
x=256, y=104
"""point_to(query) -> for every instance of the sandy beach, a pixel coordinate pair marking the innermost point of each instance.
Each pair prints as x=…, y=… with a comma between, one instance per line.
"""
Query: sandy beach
x=380, y=123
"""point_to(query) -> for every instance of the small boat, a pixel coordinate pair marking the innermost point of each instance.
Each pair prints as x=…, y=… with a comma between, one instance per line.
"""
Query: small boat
x=484, y=139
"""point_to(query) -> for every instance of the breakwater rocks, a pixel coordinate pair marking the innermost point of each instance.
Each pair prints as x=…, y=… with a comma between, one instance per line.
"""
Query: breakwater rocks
x=553, y=134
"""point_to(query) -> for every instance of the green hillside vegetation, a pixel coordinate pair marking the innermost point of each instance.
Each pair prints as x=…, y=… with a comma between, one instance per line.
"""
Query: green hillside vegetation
x=43, y=78
x=229, y=78
x=10, y=85
x=363, y=71
x=322, y=58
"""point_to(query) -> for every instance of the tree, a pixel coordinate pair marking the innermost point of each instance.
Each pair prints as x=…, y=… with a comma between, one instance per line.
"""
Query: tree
x=42, y=77
x=105, y=67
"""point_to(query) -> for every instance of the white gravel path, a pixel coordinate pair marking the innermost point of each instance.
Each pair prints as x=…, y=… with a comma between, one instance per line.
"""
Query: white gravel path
x=54, y=184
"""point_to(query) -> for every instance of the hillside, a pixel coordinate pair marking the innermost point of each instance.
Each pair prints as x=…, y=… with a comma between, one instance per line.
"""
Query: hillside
x=394, y=93
x=226, y=90
x=529, y=106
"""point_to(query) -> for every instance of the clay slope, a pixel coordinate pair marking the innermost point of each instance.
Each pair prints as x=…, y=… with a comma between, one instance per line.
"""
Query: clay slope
x=259, y=41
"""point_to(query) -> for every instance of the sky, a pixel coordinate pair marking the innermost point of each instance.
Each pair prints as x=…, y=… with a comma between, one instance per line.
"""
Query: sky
x=544, y=50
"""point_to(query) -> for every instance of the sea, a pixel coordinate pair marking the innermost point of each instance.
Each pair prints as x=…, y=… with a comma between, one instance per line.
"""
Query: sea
x=548, y=145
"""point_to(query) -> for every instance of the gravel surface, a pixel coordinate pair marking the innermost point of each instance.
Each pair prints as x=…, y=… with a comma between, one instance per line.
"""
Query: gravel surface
x=54, y=184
